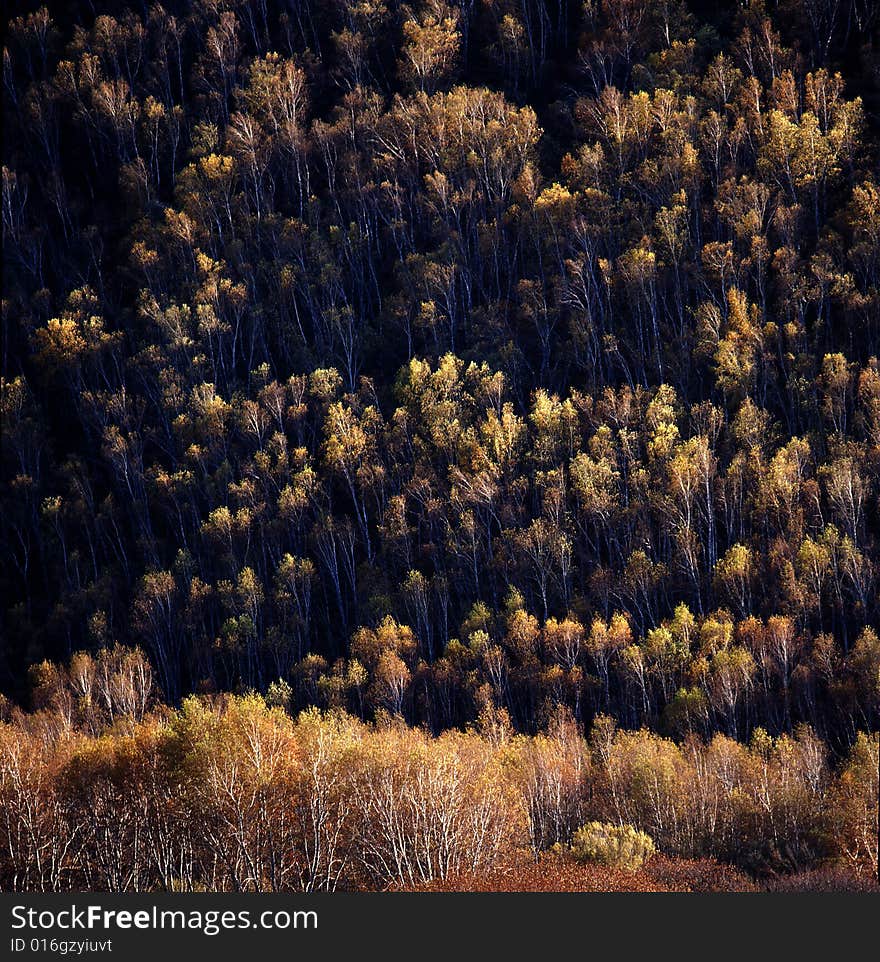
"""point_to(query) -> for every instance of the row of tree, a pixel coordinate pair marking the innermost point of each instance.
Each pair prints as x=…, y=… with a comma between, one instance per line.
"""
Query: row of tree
x=229, y=793
x=618, y=551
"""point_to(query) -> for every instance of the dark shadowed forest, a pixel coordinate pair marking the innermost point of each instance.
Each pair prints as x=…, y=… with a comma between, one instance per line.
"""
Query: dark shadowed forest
x=440, y=445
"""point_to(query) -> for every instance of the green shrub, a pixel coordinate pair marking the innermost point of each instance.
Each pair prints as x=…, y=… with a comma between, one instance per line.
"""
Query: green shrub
x=620, y=846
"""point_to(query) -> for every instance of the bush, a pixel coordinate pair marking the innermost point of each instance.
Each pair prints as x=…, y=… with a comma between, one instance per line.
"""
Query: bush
x=620, y=846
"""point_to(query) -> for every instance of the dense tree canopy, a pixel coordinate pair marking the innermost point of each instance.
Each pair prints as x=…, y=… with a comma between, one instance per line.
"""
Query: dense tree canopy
x=440, y=359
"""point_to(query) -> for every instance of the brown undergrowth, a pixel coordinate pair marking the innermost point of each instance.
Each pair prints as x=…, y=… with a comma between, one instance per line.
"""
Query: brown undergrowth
x=554, y=872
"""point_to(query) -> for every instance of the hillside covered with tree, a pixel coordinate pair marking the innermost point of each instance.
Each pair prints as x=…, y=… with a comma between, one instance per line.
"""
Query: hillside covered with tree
x=464, y=401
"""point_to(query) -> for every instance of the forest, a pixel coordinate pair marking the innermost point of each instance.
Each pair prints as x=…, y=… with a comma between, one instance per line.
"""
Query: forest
x=440, y=445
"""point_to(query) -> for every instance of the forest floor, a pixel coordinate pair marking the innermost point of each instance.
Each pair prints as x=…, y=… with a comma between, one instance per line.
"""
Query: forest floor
x=554, y=873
